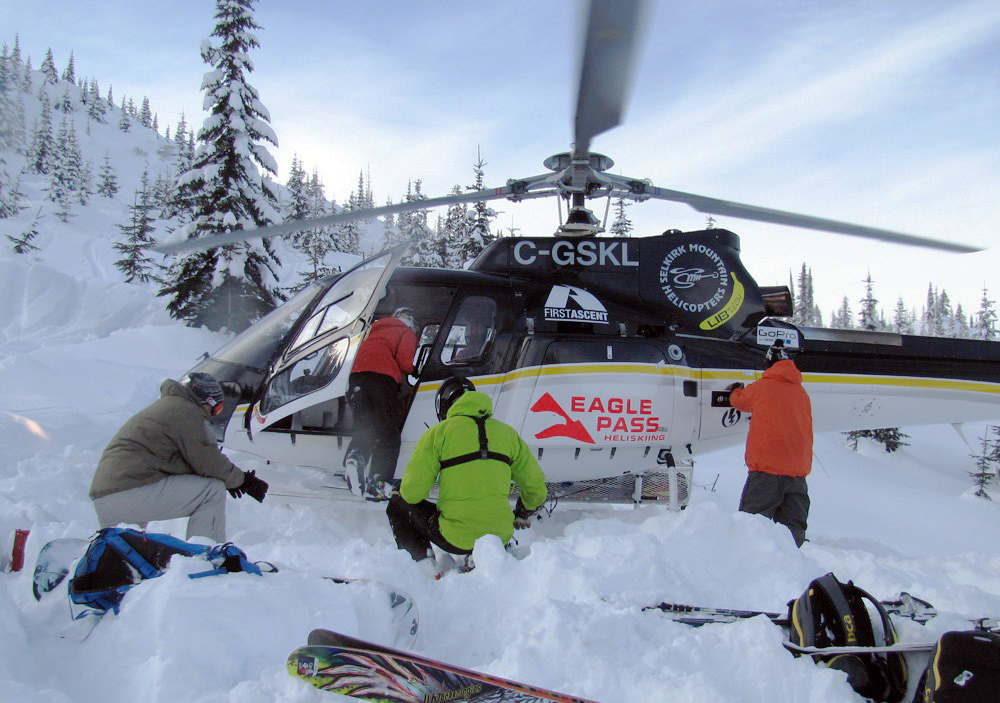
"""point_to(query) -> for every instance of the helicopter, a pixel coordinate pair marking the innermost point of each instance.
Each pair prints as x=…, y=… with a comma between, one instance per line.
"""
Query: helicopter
x=610, y=355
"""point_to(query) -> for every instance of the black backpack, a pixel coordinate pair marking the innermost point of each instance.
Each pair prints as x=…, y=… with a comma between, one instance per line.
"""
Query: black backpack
x=964, y=667
x=834, y=614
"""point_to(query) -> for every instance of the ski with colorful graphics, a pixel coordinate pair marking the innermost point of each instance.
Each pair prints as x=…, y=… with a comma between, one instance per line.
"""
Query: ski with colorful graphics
x=371, y=672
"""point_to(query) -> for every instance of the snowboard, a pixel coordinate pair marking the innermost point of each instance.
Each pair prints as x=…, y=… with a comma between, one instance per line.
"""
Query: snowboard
x=371, y=672
x=402, y=608
x=53, y=563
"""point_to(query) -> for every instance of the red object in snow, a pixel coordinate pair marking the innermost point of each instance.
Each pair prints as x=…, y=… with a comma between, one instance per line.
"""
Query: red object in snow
x=17, y=556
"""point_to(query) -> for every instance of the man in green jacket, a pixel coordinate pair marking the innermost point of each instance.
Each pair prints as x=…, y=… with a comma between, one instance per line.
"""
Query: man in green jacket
x=164, y=463
x=474, y=457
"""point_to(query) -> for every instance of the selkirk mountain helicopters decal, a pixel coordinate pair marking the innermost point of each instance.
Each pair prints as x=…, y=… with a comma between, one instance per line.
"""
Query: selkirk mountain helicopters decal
x=609, y=355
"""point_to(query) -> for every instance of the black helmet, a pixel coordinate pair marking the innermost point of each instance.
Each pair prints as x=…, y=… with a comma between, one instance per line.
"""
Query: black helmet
x=206, y=390
x=450, y=391
x=776, y=353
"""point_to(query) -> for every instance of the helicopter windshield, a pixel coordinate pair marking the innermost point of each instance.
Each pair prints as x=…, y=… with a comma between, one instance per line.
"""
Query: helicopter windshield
x=254, y=347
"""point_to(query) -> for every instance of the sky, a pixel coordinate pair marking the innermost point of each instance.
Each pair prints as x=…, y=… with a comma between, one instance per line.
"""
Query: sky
x=877, y=113
x=81, y=351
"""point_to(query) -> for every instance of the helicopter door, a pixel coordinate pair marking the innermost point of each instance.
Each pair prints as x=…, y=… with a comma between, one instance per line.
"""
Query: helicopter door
x=591, y=407
x=315, y=366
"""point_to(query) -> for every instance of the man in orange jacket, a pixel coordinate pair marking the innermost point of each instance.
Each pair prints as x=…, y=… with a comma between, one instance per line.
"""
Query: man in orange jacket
x=779, y=443
x=383, y=359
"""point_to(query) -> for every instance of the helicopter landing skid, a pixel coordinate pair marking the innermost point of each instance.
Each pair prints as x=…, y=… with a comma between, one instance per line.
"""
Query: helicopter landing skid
x=670, y=487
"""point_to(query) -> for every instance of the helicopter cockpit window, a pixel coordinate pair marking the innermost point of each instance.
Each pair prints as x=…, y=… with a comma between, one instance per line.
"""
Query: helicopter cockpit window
x=306, y=375
x=344, y=301
x=471, y=332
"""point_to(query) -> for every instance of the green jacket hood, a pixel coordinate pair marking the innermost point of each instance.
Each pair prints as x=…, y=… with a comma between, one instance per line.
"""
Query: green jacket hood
x=473, y=404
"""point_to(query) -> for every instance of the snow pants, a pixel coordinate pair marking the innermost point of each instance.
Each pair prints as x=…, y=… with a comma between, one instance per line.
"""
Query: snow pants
x=784, y=499
x=377, y=411
x=200, y=499
x=416, y=526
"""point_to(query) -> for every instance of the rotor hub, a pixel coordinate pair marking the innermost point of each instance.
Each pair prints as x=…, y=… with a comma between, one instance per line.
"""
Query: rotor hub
x=563, y=161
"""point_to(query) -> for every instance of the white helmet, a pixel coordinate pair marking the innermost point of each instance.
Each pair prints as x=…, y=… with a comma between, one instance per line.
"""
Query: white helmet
x=407, y=317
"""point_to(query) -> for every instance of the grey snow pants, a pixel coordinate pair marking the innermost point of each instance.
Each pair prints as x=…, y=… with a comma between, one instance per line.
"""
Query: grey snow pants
x=784, y=499
x=200, y=499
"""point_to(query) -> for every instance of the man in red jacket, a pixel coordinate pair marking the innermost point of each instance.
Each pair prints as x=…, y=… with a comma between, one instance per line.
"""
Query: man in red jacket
x=384, y=358
x=779, y=443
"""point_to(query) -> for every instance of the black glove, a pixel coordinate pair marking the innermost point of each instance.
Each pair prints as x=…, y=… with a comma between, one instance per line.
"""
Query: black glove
x=252, y=486
x=522, y=516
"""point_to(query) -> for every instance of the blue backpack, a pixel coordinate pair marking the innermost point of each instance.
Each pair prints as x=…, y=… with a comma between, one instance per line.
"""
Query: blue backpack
x=118, y=558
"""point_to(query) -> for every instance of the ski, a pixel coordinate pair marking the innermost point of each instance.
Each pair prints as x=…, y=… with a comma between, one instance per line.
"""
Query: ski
x=902, y=647
x=904, y=605
x=371, y=672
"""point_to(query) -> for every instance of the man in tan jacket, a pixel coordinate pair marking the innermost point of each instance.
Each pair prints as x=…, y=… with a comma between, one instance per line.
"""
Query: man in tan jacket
x=164, y=463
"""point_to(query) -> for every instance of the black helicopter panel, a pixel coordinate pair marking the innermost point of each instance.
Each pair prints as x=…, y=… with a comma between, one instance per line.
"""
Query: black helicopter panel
x=693, y=280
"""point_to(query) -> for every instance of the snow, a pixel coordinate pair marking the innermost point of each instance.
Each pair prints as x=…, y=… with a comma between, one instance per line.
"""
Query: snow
x=79, y=355
x=80, y=351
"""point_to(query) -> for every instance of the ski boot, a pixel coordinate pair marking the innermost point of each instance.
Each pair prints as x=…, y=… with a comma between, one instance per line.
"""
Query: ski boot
x=354, y=472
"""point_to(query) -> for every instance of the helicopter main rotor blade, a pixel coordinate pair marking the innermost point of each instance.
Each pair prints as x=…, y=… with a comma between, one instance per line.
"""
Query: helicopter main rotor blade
x=284, y=229
x=715, y=206
x=607, y=66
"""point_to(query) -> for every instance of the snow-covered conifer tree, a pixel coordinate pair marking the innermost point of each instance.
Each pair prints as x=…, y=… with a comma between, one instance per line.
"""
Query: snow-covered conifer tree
x=65, y=103
x=390, y=235
x=803, y=301
x=69, y=73
x=233, y=285
x=137, y=238
x=48, y=68
x=24, y=243
x=454, y=232
x=944, y=317
x=890, y=438
x=145, y=114
x=986, y=462
x=306, y=200
x=347, y=235
x=482, y=216
x=43, y=142
x=107, y=184
x=26, y=82
x=63, y=175
x=868, y=318
x=843, y=318
x=97, y=109
x=960, y=323
x=10, y=194
x=124, y=122
x=902, y=322
x=11, y=104
x=424, y=250
x=622, y=225
x=985, y=325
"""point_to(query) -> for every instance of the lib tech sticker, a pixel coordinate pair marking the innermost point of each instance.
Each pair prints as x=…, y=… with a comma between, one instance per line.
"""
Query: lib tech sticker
x=610, y=418
x=694, y=278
